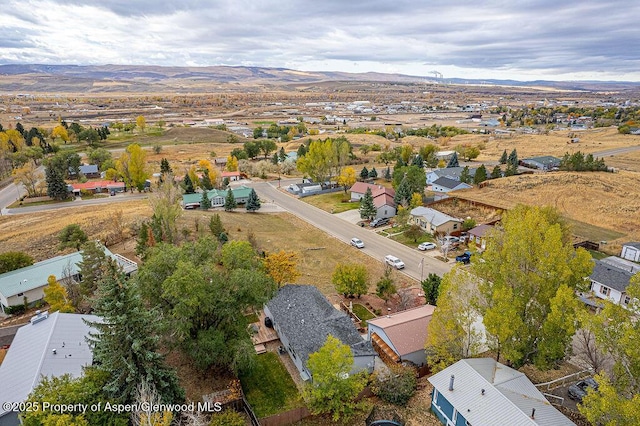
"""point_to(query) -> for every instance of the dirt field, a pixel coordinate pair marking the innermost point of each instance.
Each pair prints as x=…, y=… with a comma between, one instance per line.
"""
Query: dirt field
x=603, y=200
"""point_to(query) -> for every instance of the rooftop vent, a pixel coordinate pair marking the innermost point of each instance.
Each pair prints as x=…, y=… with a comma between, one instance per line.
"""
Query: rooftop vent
x=39, y=316
x=451, y=382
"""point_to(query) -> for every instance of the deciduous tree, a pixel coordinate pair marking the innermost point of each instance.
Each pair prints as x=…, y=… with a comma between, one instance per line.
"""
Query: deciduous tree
x=12, y=260
x=141, y=122
x=351, y=279
x=165, y=203
x=347, y=178
x=29, y=176
x=132, y=167
x=282, y=266
x=56, y=296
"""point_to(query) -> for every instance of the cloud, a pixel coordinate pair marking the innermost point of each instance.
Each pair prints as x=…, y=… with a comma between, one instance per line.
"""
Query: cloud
x=536, y=38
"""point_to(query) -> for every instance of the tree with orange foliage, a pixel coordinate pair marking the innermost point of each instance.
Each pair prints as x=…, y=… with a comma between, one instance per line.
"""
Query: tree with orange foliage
x=282, y=266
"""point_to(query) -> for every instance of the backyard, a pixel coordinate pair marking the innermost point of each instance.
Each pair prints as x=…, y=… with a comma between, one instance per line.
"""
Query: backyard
x=269, y=388
x=363, y=313
x=332, y=202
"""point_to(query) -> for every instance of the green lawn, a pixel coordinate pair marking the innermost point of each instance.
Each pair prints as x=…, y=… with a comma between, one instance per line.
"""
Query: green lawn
x=363, y=313
x=269, y=388
x=597, y=254
x=402, y=239
x=331, y=202
x=18, y=204
x=251, y=318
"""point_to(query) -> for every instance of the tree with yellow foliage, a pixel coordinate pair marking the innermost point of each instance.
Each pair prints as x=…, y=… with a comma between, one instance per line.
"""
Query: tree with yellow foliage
x=141, y=122
x=232, y=163
x=347, y=178
x=11, y=140
x=282, y=266
x=29, y=176
x=416, y=200
x=132, y=166
x=56, y=296
x=59, y=132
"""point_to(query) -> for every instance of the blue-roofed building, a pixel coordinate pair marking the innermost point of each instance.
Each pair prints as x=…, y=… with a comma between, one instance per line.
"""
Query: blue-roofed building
x=50, y=346
x=481, y=391
x=29, y=282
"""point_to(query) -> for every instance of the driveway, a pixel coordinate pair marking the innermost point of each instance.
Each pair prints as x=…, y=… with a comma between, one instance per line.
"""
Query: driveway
x=351, y=216
x=417, y=264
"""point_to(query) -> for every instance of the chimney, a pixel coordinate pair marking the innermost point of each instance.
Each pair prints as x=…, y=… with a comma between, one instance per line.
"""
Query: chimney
x=451, y=382
x=533, y=413
x=482, y=392
x=54, y=351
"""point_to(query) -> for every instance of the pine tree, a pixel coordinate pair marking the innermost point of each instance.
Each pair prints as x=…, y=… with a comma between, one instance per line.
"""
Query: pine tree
x=465, y=175
x=215, y=225
x=282, y=156
x=367, y=209
x=387, y=174
x=56, y=186
x=496, y=172
x=205, y=182
x=125, y=343
x=373, y=173
x=418, y=161
x=275, y=159
x=92, y=266
x=453, y=161
x=513, y=158
x=253, y=203
x=142, y=243
x=364, y=173
x=230, y=201
x=403, y=193
x=205, y=203
x=504, y=157
x=481, y=175
x=188, y=185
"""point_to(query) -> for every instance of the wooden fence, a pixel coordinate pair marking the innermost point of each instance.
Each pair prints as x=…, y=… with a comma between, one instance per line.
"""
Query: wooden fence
x=562, y=381
x=286, y=418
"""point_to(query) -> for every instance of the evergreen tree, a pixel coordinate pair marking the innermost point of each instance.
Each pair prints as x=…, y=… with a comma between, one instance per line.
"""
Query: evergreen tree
x=205, y=202
x=453, y=161
x=511, y=170
x=72, y=236
x=188, y=185
x=275, y=159
x=504, y=157
x=367, y=209
x=253, y=203
x=205, y=182
x=302, y=151
x=92, y=266
x=403, y=193
x=282, y=156
x=364, y=173
x=125, y=344
x=373, y=173
x=387, y=174
x=56, y=186
x=418, y=161
x=230, y=201
x=142, y=243
x=496, y=172
x=465, y=175
x=431, y=288
x=513, y=158
x=481, y=175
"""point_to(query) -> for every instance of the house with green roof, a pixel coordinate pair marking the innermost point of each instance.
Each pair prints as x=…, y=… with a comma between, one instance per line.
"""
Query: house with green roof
x=28, y=283
x=217, y=197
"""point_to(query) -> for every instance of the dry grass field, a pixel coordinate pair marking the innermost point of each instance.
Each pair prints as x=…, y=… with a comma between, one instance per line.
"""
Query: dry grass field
x=604, y=206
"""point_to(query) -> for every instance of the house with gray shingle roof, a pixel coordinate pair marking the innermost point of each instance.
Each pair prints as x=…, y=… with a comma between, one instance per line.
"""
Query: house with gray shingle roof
x=482, y=391
x=50, y=346
x=610, y=279
x=445, y=185
x=304, y=318
x=448, y=172
x=433, y=221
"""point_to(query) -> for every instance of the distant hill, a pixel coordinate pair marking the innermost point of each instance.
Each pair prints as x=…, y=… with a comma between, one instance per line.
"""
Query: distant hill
x=18, y=78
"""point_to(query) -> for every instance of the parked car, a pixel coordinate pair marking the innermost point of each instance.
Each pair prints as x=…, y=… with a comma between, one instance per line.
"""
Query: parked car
x=379, y=222
x=426, y=246
x=356, y=242
x=394, y=261
x=464, y=258
x=578, y=390
x=449, y=239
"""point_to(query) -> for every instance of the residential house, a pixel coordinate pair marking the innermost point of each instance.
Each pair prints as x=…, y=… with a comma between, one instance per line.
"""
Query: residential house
x=631, y=251
x=216, y=196
x=50, y=346
x=545, y=162
x=482, y=391
x=610, y=279
x=28, y=283
x=97, y=187
x=444, y=185
x=401, y=336
x=448, y=172
x=382, y=198
x=478, y=235
x=433, y=221
x=304, y=188
x=89, y=171
x=233, y=176
x=304, y=318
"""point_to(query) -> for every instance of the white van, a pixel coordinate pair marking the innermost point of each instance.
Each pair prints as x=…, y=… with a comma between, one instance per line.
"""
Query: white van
x=394, y=261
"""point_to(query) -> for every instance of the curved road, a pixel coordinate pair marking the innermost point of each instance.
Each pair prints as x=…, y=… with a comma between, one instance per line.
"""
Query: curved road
x=375, y=245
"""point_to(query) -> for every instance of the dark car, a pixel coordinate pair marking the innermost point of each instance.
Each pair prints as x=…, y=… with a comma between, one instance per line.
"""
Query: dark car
x=579, y=390
x=464, y=258
x=378, y=222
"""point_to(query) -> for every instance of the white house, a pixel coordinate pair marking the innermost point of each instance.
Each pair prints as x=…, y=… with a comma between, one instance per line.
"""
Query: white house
x=29, y=282
x=401, y=336
x=610, y=279
x=481, y=391
x=304, y=318
x=444, y=185
x=433, y=221
x=448, y=172
x=50, y=346
x=631, y=251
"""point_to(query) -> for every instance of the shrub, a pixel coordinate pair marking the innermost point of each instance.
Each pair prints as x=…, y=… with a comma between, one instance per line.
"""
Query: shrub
x=396, y=387
x=227, y=418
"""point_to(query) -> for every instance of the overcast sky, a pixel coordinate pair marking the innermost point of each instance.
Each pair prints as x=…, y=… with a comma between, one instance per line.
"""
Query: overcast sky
x=519, y=39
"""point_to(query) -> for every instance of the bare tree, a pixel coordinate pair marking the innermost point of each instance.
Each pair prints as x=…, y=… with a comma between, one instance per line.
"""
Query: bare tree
x=165, y=203
x=407, y=300
x=147, y=399
x=587, y=352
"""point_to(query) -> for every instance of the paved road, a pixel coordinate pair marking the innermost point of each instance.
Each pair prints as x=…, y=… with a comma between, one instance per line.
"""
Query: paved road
x=9, y=194
x=616, y=151
x=376, y=245
x=77, y=203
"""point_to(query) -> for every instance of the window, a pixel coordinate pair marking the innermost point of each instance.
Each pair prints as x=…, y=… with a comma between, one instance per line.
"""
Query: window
x=20, y=294
x=604, y=290
x=627, y=300
x=455, y=226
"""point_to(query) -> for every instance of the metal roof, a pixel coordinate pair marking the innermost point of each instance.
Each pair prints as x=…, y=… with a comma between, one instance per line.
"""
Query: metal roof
x=31, y=356
x=35, y=276
x=509, y=396
x=632, y=244
x=307, y=318
x=407, y=330
x=432, y=216
x=196, y=197
x=480, y=230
